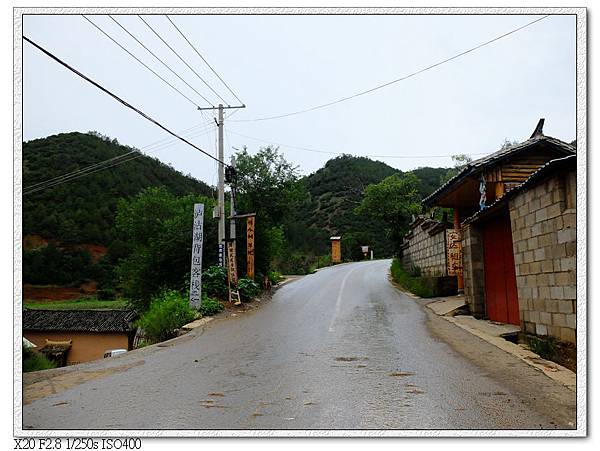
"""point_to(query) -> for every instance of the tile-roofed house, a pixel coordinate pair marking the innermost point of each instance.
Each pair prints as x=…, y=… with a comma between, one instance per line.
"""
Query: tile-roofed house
x=515, y=214
x=502, y=170
x=483, y=181
x=90, y=332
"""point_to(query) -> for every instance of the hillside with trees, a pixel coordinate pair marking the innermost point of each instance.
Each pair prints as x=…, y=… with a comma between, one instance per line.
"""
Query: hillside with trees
x=333, y=195
x=141, y=212
x=83, y=210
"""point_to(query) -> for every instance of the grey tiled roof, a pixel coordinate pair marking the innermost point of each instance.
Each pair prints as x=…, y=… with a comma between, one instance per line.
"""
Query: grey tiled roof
x=79, y=320
x=476, y=165
x=552, y=165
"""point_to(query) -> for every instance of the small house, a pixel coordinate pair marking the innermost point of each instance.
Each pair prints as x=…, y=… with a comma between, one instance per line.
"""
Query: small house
x=515, y=213
x=76, y=336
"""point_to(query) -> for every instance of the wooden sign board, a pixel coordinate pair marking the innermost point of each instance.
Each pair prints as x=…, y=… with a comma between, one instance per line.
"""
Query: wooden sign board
x=250, y=247
x=454, y=252
x=231, y=264
x=336, y=251
x=196, y=270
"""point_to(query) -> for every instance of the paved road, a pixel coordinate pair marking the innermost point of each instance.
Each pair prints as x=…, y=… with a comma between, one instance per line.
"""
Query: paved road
x=341, y=348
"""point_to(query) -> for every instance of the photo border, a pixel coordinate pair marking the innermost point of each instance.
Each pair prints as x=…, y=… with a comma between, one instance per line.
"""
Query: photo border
x=581, y=123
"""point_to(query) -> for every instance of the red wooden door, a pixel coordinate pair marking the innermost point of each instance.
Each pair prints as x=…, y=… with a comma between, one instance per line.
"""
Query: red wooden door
x=502, y=303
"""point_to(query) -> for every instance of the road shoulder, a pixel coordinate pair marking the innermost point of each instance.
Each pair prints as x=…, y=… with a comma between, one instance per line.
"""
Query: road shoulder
x=537, y=390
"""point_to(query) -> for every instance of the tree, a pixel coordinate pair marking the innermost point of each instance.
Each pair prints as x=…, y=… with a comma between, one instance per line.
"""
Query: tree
x=155, y=234
x=266, y=185
x=394, y=201
x=460, y=162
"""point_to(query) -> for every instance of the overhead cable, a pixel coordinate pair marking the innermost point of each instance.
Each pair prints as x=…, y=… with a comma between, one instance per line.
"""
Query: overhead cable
x=142, y=63
x=184, y=61
x=420, y=71
x=206, y=62
x=118, y=99
x=160, y=60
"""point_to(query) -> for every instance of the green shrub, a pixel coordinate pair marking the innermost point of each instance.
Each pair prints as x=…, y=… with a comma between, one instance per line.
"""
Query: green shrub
x=248, y=289
x=106, y=294
x=214, y=282
x=168, y=312
x=210, y=306
x=544, y=347
x=36, y=361
x=275, y=277
x=416, y=285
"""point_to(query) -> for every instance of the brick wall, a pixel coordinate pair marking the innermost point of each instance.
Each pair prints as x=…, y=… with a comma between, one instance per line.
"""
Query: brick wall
x=425, y=247
x=473, y=272
x=543, y=225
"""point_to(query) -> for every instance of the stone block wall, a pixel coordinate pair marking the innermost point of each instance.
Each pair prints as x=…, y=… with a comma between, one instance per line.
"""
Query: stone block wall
x=425, y=247
x=543, y=221
x=473, y=271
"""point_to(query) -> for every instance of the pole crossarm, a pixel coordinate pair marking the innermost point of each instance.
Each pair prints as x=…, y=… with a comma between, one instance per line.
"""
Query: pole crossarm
x=246, y=215
x=228, y=107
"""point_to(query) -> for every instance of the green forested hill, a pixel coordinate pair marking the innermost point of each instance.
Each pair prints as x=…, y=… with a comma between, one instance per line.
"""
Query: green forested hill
x=82, y=210
x=333, y=193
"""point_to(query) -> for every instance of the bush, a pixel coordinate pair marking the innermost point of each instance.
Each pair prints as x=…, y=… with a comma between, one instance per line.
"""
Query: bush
x=210, y=306
x=36, y=361
x=168, y=312
x=106, y=294
x=416, y=285
x=248, y=289
x=275, y=277
x=214, y=282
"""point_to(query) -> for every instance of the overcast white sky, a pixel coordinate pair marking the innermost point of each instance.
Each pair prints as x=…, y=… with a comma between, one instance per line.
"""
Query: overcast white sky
x=280, y=64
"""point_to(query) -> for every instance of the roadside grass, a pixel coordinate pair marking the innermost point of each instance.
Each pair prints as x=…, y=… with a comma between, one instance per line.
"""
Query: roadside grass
x=36, y=361
x=86, y=303
x=414, y=284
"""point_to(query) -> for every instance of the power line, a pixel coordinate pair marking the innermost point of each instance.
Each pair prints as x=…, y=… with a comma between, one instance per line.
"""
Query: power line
x=141, y=62
x=344, y=153
x=118, y=99
x=184, y=61
x=198, y=53
x=420, y=71
x=99, y=167
x=158, y=145
x=161, y=61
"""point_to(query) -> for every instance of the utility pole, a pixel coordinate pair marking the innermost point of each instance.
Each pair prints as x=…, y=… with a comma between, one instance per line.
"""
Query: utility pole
x=220, y=213
x=221, y=194
x=232, y=207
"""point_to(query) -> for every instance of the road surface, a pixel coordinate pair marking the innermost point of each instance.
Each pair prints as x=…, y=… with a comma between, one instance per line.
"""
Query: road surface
x=339, y=349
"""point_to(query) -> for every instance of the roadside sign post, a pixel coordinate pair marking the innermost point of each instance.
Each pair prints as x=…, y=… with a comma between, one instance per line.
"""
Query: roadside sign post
x=196, y=269
x=336, y=249
x=250, y=247
x=232, y=279
x=365, y=251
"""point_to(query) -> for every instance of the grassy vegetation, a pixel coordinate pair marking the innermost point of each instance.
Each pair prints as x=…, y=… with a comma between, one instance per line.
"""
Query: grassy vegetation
x=77, y=304
x=35, y=361
x=168, y=311
x=411, y=282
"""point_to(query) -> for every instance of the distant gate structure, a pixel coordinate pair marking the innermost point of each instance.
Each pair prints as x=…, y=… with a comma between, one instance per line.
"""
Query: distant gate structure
x=336, y=249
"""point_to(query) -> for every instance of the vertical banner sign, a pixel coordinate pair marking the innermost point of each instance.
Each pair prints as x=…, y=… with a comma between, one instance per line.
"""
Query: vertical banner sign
x=336, y=250
x=454, y=252
x=221, y=255
x=231, y=264
x=250, y=247
x=196, y=271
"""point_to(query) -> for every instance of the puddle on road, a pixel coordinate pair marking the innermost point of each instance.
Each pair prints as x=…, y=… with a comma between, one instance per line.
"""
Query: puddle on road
x=216, y=393
x=415, y=391
x=402, y=373
x=350, y=359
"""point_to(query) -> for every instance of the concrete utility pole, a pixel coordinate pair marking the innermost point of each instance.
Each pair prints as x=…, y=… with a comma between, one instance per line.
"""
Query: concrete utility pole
x=221, y=189
x=220, y=210
x=232, y=206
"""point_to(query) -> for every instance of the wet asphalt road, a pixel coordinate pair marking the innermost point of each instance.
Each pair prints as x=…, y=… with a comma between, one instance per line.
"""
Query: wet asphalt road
x=339, y=349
